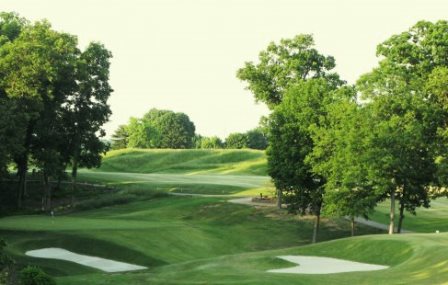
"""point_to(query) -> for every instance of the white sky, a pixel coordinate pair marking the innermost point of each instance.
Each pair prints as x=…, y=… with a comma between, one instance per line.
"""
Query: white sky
x=183, y=55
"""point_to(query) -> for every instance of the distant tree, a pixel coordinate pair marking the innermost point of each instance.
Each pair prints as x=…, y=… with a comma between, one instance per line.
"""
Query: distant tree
x=197, y=140
x=161, y=129
x=236, y=141
x=211, y=143
x=140, y=134
x=120, y=137
x=175, y=130
x=284, y=64
x=257, y=139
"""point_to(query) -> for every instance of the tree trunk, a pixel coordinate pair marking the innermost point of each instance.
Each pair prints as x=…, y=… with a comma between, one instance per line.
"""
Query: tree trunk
x=74, y=172
x=316, y=228
x=22, y=168
x=47, y=192
x=279, y=198
x=400, y=220
x=58, y=186
x=392, y=212
x=22, y=165
x=352, y=226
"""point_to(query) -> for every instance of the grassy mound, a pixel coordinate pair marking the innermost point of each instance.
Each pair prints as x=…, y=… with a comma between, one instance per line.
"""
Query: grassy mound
x=215, y=172
x=158, y=232
x=191, y=161
x=413, y=259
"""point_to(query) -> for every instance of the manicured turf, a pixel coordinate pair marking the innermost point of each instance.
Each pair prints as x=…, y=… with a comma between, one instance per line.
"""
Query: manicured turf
x=413, y=259
x=160, y=232
x=427, y=220
x=206, y=240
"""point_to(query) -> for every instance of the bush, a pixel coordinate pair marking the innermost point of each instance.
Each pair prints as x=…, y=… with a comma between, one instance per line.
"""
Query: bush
x=32, y=275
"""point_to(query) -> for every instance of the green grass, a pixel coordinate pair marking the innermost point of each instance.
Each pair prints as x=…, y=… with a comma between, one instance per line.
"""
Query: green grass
x=206, y=240
x=426, y=221
x=158, y=232
x=213, y=172
x=186, y=161
x=413, y=259
x=214, y=184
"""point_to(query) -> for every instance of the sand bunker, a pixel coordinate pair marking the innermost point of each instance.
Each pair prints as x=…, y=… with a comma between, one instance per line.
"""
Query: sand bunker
x=91, y=261
x=323, y=265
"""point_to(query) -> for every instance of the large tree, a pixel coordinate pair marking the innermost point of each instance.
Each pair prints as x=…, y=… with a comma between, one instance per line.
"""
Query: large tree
x=53, y=95
x=290, y=143
x=86, y=110
x=340, y=154
x=295, y=81
x=407, y=113
x=36, y=74
x=284, y=64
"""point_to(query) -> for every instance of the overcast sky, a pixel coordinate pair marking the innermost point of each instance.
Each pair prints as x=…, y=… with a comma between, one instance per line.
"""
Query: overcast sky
x=183, y=55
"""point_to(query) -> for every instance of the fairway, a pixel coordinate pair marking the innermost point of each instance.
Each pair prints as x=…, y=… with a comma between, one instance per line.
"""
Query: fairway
x=159, y=232
x=201, y=240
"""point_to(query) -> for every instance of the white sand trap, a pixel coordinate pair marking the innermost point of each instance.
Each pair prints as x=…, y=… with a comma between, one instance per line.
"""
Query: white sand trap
x=323, y=265
x=91, y=261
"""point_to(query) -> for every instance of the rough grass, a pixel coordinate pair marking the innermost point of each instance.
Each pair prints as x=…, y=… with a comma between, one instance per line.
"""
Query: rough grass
x=186, y=161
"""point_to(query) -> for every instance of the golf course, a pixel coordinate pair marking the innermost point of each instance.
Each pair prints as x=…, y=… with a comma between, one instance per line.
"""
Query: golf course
x=191, y=142
x=191, y=239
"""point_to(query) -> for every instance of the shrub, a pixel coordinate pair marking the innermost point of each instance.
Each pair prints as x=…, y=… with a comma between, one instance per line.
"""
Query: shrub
x=32, y=275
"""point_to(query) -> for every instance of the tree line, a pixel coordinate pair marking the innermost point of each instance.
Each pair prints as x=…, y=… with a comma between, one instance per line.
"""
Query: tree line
x=168, y=129
x=341, y=149
x=53, y=102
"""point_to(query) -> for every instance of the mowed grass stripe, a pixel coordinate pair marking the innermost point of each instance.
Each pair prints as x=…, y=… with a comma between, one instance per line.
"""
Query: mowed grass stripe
x=193, y=161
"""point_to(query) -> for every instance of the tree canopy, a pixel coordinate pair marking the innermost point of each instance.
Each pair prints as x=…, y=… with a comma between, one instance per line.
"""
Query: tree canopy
x=284, y=64
x=54, y=98
x=156, y=129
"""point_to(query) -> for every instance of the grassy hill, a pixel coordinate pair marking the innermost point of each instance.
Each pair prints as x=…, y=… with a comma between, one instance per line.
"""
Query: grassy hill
x=159, y=232
x=186, y=161
x=222, y=171
x=413, y=259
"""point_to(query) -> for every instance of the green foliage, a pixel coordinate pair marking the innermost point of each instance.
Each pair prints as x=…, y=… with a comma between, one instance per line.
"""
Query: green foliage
x=160, y=129
x=32, y=275
x=120, y=138
x=290, y=139
x=54, y=98
x=284, y=64
x=256, y=139
x=210, y=143
x=237, y=141
x=339, y=155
